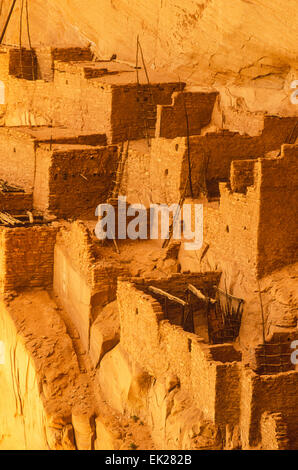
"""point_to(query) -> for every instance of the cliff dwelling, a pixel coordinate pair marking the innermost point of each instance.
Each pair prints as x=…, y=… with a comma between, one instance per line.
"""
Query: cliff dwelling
x=177, y=329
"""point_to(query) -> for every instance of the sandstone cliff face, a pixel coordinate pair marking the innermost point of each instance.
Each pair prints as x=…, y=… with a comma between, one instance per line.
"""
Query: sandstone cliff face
x=219, y=42
x=227, y=44
x=76, y=375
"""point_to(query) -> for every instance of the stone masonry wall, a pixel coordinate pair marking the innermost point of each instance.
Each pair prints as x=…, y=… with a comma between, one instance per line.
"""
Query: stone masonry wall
x=274, y=432
x=270, y=393
x=80, y=103
x=76, y=101
x=256, y=226
x=82, y=281
x=211, y=156
x=131, y=104
x=162, y=348
x=277, y=237
x=18, y=144
x=16, y=202
x=27, y=257
x=72, y=180
x=21, y=155
x=189, y=112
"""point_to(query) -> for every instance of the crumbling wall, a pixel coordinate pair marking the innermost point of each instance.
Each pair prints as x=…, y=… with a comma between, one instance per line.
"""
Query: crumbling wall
x=142, y=316
x=210, y=156
x=277, y=235
x=83, y=282
x=134, y=108
x=270, y=393
x=274, y=432
x=255, y=226
x=74, y=257
x=161, y=348
x=189, y=112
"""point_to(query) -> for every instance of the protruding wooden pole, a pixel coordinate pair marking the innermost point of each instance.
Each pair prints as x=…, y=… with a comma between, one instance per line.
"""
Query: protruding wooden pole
x=7, y=21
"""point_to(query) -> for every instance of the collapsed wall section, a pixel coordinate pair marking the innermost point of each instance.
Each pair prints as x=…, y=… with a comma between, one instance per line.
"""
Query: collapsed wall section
x=83, y=281
x=134, y=108
x=207, y=158
x=188, y=114
x=164, y=349
x=271, y=393
x=254, y=226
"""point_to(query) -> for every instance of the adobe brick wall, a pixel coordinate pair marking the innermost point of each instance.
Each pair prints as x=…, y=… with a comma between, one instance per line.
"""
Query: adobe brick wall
x=256, y=227
x=130, y=106
x=73, y=100
x=16, y=202
x=80, y=103
x=274, y=432
x=196, y=107
x=18, y=145
x=211, y=157
x=23, y=64
x=27, y=256
x=277, y=236
x=71, y=180
x=82, y=281
x=19, y=151
x=29, y=103
x=160, y=348
x=270, y=393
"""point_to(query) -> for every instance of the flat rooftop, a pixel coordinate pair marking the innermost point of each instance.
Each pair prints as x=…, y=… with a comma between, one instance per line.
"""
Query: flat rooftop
x=115, y=73
x=54, y=134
